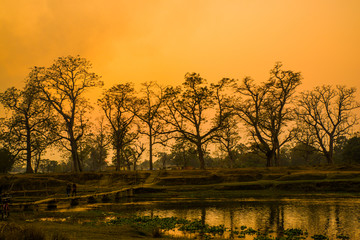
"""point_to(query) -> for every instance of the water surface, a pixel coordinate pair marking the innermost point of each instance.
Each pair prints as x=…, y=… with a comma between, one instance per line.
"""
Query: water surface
x=331, y=216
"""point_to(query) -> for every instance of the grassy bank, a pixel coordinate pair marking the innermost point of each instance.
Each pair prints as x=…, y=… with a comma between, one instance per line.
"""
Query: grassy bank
x=196, y=183
x=197, y=186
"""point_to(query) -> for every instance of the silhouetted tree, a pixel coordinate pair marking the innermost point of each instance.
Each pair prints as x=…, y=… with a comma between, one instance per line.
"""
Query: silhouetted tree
x=47, y=166
x=147, y=109
x=305, y=154
x=189, y=110
x=351, y=151
x=118, y=105
x=63, y=86
x=266, y=110
x=30, y=129
x=132, y=154
x=7, y=160
x=228, y=139
x=93, y=147
x=182, y=154
x=99, y=146
x=326, y=113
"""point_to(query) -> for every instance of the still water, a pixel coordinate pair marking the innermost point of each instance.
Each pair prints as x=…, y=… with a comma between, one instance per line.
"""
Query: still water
x=330, y=216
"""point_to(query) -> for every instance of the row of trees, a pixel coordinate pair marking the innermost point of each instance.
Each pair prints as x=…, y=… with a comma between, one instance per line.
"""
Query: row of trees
x=52, y=111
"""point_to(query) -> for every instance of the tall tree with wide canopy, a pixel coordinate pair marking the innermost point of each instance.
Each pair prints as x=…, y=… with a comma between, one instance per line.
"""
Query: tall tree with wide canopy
x=118, y=104
x=327, y=114
x=63, y=85
x=29, y=130
x=266, y=110
x=189, y=111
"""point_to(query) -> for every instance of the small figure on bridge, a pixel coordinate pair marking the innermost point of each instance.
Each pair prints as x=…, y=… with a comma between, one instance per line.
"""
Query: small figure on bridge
x=68, y=189
x=73, y=190
x=5, y=213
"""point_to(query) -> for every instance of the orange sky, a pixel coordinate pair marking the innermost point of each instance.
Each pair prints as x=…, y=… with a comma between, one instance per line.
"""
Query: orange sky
x=161, y=40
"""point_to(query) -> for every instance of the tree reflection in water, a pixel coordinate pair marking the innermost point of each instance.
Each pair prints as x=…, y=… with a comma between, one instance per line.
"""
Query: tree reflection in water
x=331, y=217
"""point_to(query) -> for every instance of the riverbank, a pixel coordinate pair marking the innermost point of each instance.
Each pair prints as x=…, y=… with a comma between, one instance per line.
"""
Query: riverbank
x=344, y=180
x=150, y=189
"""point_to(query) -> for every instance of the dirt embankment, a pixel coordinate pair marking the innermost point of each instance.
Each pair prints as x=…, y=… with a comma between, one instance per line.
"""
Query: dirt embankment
x=31, y=187
x=321, y=178
x=326, y=178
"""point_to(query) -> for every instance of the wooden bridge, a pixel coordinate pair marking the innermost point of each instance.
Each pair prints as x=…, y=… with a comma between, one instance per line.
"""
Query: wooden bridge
x=51, y=203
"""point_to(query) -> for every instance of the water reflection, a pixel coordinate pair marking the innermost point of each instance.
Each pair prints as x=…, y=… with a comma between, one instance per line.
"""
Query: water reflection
x=331, y=217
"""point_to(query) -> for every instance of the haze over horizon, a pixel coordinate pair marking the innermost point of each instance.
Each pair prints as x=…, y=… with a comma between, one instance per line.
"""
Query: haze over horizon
x=139, y=41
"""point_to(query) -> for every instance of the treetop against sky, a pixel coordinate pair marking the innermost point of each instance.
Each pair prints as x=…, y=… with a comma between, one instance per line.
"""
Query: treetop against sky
x=139, y=41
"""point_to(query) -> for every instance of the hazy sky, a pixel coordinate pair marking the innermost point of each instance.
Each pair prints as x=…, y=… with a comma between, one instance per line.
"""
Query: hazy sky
x=161, y=40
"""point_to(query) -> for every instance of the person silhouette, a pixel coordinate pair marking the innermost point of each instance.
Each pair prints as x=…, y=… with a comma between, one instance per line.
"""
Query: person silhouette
x=73, y=190
x=68, y=189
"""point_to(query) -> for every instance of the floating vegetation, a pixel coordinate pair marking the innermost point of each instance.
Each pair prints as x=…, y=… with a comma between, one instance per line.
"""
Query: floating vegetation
x=320, y=237
x=342, y=237
x=205, y=231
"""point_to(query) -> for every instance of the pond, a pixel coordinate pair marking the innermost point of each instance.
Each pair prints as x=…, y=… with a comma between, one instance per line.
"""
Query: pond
x=330, y=216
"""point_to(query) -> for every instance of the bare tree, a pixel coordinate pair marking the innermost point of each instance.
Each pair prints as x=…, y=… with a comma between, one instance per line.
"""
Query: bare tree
x=266, y=110
x=117, y=104
x=63, y=86
x=99, y=147
x=132, y=154
x=189, y=109
x=228, y=139
x=326, y=114
x=147, y=109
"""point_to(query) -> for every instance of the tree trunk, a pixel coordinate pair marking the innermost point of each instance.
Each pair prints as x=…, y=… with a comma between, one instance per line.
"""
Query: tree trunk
x=201, y=156
x=28, y=150
x=75, y=156
x=269, y=158
x=277, y=159
x=231, y=158
x=74, y=148
x=74, y=152
x=150, y=149
x=276, y=154
x=117, y=158
x=329, y=156
x=37, y=163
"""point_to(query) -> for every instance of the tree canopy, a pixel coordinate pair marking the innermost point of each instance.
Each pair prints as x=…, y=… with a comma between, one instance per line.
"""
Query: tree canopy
x=232, y=123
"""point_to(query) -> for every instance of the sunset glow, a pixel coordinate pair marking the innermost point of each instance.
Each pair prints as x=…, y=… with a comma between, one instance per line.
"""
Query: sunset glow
x=193, y=119
x=160, y=41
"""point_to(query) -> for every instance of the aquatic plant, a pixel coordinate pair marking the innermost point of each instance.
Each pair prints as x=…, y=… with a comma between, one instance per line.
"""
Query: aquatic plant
x=320, y=237
x=159, y=225
x=342, y=237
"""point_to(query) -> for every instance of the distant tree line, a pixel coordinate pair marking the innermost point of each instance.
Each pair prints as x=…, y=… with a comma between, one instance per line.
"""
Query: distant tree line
x=231, y=123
